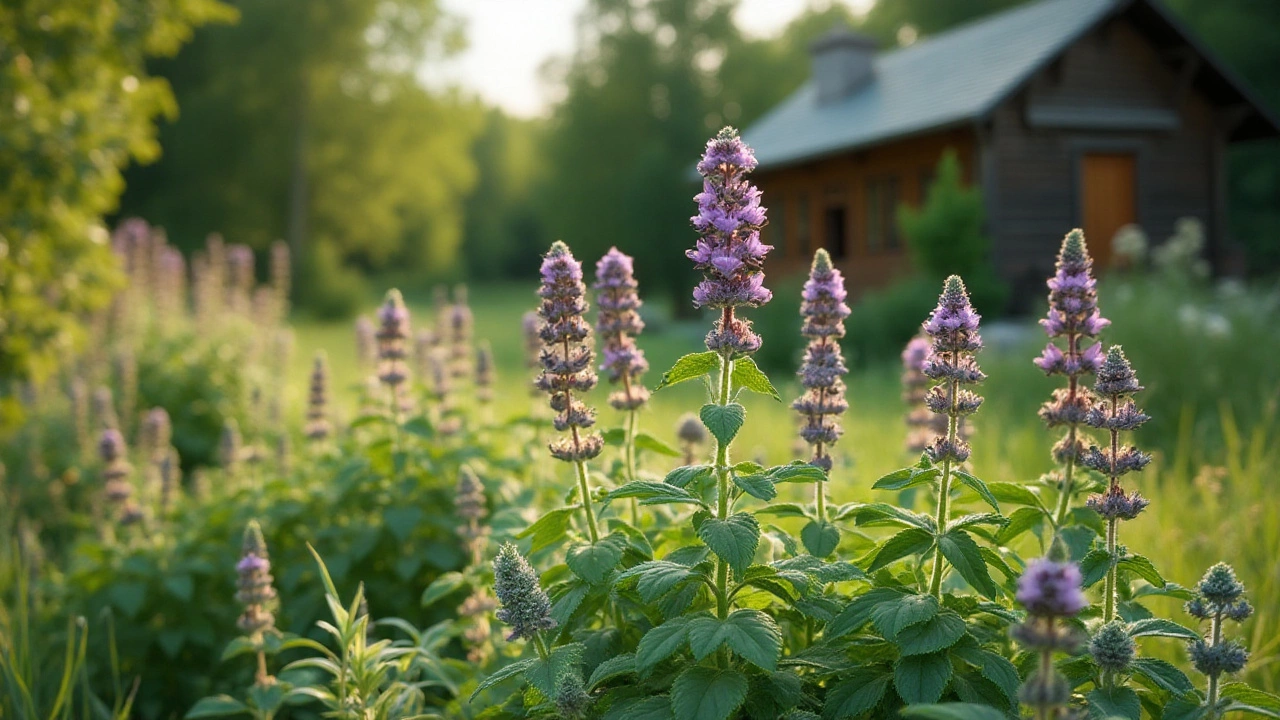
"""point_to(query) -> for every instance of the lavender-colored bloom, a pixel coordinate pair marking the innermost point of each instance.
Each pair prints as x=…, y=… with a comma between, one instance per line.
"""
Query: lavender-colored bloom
x=484, y=373
x=393, y=335
x=461, y=327
x=821, y=374
x=157, y=431
x=922, y=424
x=254, y=588
x=116, y=468
x=566, y=356
x=729, y=251
x=1073, y=312
x=318, y=427
x=471, y=507
x=1049, y=588
x=952, y=328
x=618, y=322
x=525, y=605
x=1115, y=412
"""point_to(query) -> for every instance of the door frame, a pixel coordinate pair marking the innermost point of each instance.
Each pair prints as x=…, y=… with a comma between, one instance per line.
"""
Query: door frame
x=1138, y=147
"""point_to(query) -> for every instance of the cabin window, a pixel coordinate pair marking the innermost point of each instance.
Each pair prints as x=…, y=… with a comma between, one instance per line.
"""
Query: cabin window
x=836, y=239
x=882, y=222
x=802, y=223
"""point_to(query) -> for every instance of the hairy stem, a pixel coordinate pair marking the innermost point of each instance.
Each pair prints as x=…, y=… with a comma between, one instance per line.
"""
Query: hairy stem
x=585, y=491
x=1113, y=567
x=722, y=478
x=540, y=645
x=944, y=491
x=1212, y=696
x=1064, y=498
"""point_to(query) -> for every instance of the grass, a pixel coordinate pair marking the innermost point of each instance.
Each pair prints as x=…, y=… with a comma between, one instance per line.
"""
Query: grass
x=1210, y=501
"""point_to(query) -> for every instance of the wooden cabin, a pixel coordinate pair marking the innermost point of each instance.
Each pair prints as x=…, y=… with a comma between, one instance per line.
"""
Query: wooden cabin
x=1067, y=113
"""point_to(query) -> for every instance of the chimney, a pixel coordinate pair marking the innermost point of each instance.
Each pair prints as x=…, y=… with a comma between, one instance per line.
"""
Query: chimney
x=843, y=61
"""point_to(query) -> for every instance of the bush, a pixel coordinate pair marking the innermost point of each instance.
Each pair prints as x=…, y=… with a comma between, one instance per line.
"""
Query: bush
x=328, y=289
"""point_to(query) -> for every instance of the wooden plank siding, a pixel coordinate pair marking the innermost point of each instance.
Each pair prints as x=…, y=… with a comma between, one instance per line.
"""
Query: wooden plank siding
x=800, y=195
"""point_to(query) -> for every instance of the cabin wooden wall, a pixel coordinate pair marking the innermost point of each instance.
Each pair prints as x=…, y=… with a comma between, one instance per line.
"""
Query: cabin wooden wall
x=810, y=188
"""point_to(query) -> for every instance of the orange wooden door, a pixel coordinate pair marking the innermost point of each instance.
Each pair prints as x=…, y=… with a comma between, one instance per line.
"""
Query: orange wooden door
x=1109, y=192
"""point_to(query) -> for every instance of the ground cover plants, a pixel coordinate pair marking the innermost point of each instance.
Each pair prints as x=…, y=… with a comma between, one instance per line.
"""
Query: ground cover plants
x=484, y=538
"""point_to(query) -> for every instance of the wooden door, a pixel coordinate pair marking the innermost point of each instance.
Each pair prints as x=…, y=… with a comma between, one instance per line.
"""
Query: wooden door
x=1109, y=199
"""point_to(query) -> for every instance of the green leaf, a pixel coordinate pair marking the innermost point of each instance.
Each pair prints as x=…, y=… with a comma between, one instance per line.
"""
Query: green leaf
x=820, y=538
x=418, y=426
x=1162, y=675
x=977, y=486
x=1143, y=568
x=747, y=375
x=796, y=471
x=724, y=421
x=783, y=510
x=1114, y=702
x=1237, y=706
x=128, y=597
x=1094, y=566
x=180, y=586
x=645, y=441
x=549, y=529
x=691, y=366
x=240, y=646
x=1020, y=521
x=1159, y=627
x=1253, y=697
x=750, y=634
x=702, y=693
x=502, y=674
x=922, y=678
x=545, y=674
x=906, y=477
x=442, y=586
x=733, y=539
x=972, y=519
x=656, y=578
x=891, y=617
x=1014, y=494
x=614, y=437
x=594, y=561
x=660, y=643
x=653, y=493
x=962, y=552
x=994, y=667
x=856, y=695
x=401, y=520
x=614, y=667
x=644, y=708
x=912, y=541
x=217, y=706
x=859, y=611
x=1183, y=709
x=758, y=486
x=685, y=474
x=937, y=633
x=952, y=711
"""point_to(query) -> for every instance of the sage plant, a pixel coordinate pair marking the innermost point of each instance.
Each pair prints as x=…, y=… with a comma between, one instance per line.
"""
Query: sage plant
x=822, y=371
x=318, y=427
x=116, y=470
x=256, y=594
x=484, y=374
x=471, y=506
x=393, y=336
x=461, y=329
x=952, y=328
x=1219, y=597
x=525, y=605
x=1050, y=591
x=618, y=323
x=1073, y=317
x=566, y=368
x=1115, y=412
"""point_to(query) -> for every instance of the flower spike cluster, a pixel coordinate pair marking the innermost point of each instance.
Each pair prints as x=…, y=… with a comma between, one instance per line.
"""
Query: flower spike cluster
x=729, y=253
x=566, y=356
x=393, y=334
x=318, y=427
x=1050, y=591
x=1219, y=596
x=461, y=329
x=115, y=475
x=824, y=310
x=525, y=605
x=255, y=591
x=618, y=323
x=952, y=328
x=1115, y=412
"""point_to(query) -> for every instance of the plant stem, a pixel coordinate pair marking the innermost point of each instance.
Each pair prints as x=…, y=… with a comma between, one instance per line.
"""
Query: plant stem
x=540, y=645
x=722, y=477
x=585, y=491
x=1046, y=669
x=1212, y=697
x=944, y=492
x=262, y=668
x=629, y=452
x=1064, y=496
x=1109, y=601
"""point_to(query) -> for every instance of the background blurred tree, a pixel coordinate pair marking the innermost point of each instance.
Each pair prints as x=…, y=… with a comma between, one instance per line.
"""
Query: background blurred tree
x=307, y=121
x=78, y=105
x=503, y=232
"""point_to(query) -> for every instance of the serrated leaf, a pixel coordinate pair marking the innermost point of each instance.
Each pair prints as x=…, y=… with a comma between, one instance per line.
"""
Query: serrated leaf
x=645, y=441
x=689, y=367
x=783, y=510
x=1162, y=675
x=1015, y=494
x=1094, y=566
x=548, y=529
x=442, y=586
x=758, y=486
x=614, y=667
x=972, y=519
x=702, y=693
x=750, y=634
x=733, y=539
x=912, y=541
x=859, y=610
x=978, y=486
x=994, y=667
x=1160, y=627
x=724, y=421
x=685, y=474
x=1020, y=521
x=505, y=673
x=952, y=711
x=649, y=708
x=906, y=477
x=922, y=678
x=217, y=706
x=747, y=375
x=594, y=561
x=240, y=646
x=1114, y=702
x=653, y=493
x=614, y=436
x=886, y=514
x=545, y=674
x=856, y=695
x=891, y=617
x=660, y=643
x=820, y=538
x=1253, y=697
x=796, y=471
x=656, y=578
x=937, y=633
x=962, y=552
x=1143, y=568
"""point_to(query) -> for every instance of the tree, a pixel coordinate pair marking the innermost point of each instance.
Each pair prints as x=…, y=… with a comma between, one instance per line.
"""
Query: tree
x=79, y=106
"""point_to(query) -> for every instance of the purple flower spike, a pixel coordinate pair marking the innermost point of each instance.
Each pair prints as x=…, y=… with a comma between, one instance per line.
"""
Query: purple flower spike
x=393, y=334
x=824, y=310
x=952, y=328
x=1114, y=412
x=618, y=322
x=318, y=427
x=566, y=356
x=729, y=253
x=255, y=591
x=1051, y=589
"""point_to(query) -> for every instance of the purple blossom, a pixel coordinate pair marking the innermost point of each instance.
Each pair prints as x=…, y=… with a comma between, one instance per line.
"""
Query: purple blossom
x=618, y=322
x=729, y=252
x=393, y=334
x=254, y=586
x=566, y=357
x=1115, y=413
x=461, y=329
x=952, y=328
x=318, y=427
x=1049, y=588
x=824, y=310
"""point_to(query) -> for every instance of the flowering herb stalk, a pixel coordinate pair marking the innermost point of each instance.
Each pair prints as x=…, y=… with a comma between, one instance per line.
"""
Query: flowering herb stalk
x=1074, y=317
x=525, y=605
x=953, y=330
x=821, y=374
x=318, y=428
x=1219, y=597
x=618, y=323
x=1115, y=412
x=1050, y=591
x=393, y=336
x=566, y=368
x=461, y=329
x=256, y=594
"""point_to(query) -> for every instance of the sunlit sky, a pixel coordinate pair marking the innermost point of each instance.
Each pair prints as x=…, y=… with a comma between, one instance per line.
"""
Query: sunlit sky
x=509, y=40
